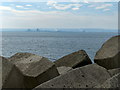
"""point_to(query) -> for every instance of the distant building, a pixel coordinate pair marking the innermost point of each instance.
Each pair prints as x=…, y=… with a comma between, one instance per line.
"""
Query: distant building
x=37, y=30
x=29, y=30
x=83, y=31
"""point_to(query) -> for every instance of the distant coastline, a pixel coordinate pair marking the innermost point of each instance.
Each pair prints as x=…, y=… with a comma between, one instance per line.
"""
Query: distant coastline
x=58, y=30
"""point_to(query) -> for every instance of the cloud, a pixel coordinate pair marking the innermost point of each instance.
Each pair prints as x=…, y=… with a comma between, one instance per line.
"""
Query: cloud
x=51, y=2
x=57, y=6
x=5, y=8
x=28, y=5
x=75, y=8
x=19, y=6
x=104, y=6
x=85, y=1
x=106, y=10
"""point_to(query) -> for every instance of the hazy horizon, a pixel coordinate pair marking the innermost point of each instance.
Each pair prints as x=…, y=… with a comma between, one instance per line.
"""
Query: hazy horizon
x=53, y=14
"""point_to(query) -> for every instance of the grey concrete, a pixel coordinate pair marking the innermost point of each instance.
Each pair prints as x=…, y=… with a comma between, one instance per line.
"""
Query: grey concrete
x=11, y=76
x=63, y=69
x=114, y=71
x=113, y=82
x=0, y=72
x=6, y=68
x=35, y=69
x=74, y=60
x=108, y=55
x=84, y=77
x=15, y=79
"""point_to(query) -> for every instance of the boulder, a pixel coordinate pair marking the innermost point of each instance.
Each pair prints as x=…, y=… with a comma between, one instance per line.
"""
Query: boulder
x=63, y=69
x=11, y=76
x=74, y=60
x=84, y=77
x=114, y=71
x=0, y=72
x=35, y=69
x=113, y=82
x=108, y=55
x=6, y=68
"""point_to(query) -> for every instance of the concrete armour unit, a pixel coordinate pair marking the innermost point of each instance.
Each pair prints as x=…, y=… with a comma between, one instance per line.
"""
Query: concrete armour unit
x=0, y=72
x=63, y=69
x=84, y=77
x=111, y=83
x=114, y=71
x=108, y=55
x=11, y=76
x=6, y=68
x=35, y=69
x=74, y=60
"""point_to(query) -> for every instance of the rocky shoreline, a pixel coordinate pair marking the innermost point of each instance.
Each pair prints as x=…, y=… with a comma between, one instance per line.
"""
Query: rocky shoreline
x=26, y=70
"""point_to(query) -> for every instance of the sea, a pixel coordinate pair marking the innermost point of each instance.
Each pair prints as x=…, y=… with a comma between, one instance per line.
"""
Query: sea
x=53, y=45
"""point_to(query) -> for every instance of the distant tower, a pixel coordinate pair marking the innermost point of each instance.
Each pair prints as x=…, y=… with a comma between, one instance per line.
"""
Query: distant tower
x=29, y=30
x=37, y=30
x=83, y=31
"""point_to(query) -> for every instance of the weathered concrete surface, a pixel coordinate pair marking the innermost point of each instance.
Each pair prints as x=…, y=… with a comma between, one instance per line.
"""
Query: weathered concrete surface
x=35, y=69
x=108, y=55
x=0, y=72
x=63, y=69
x=6, y=68
x=114, y=71
x=113, y=82
x=11, y=76
x=74, y=60
x=84, y=77
x=14, y=79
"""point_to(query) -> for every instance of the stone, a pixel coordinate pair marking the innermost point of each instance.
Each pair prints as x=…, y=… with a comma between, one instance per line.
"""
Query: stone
x=0, y=72
x=113, y=82
x=84, y=77
x=35, y=69
x=63, y=69
x=6, y=68
x=114, y=71
x=14, y=79
x=11, y=76
x=108, y=55
x=74, y=60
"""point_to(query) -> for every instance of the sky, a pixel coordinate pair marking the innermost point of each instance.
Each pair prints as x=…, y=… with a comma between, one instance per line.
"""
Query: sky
x=52, y=14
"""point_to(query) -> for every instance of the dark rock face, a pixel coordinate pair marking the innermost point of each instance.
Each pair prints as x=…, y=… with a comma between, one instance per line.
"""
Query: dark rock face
x=114, y=71
x=113, y=82
x=34, y=69
x=84, y=77
x=109, y=54
x=74, y=60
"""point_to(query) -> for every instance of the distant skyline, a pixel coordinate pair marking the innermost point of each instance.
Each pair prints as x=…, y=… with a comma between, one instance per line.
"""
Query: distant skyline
x=52, y=14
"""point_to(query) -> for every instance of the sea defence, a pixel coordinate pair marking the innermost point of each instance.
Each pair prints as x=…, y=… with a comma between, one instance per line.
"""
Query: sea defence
x=108, y=55
x=75, y=70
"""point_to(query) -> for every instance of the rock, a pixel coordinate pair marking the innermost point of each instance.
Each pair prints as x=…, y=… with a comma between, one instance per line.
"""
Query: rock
x=114, y=71
x=113, y=82
x=0, y=72
x=6, y=68
x=74, y=60
x=14, y=79
x=63, y=69
x=84, y=77
x=11, y=76
x=35, y=69
x=109, y=54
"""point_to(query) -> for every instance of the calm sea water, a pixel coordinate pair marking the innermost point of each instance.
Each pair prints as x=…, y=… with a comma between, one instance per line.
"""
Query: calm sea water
x=53, y=45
